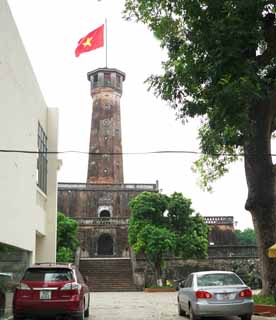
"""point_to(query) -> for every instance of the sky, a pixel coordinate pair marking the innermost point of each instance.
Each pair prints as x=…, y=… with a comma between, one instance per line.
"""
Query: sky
x=50, y=31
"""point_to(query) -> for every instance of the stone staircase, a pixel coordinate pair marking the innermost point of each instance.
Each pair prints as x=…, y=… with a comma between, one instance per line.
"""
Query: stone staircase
x=108, y=274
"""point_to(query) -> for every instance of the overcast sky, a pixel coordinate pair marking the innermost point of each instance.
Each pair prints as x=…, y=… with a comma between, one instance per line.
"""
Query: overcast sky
x=50, y=31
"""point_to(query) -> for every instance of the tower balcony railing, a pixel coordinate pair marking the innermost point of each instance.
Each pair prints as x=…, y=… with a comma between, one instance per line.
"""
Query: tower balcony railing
x=216, y=220
x=63, y=186
x=102, y=221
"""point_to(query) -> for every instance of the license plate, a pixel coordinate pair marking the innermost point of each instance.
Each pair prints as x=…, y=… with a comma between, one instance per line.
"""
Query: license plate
x=45, y=295
x=225, y=296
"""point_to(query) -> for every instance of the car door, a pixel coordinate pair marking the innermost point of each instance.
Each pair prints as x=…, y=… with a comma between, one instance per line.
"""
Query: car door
x=185, y=293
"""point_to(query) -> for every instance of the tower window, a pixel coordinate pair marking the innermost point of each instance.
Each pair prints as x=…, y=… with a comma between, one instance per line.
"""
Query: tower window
x=107, y=78
x=105, y=214
x=95, y=78
x=106, y=122
x=118, y=81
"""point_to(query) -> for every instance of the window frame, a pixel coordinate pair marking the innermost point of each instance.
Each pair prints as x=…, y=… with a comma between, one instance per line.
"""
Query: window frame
x=42, y=159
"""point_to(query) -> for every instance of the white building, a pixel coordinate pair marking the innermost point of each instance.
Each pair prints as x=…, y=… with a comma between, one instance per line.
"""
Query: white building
x=28, y=182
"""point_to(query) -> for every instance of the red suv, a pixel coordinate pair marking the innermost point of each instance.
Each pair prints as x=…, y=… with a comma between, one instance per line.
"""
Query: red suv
x=50, y=289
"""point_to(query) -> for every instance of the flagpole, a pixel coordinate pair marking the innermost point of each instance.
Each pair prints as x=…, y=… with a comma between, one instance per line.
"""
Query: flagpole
x=105, y=42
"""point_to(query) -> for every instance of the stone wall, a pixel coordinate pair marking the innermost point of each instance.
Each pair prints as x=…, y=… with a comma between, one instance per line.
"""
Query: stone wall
x=15, y=262
x=176, y=269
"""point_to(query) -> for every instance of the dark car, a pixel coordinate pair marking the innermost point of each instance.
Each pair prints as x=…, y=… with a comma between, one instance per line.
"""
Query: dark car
x=51, y=289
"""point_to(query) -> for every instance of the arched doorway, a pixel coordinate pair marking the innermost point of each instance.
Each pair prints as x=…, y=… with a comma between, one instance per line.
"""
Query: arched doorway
x=105, y=245
x=104, y=214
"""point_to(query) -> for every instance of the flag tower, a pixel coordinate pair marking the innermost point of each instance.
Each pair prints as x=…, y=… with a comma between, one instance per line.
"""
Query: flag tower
x=105, y=164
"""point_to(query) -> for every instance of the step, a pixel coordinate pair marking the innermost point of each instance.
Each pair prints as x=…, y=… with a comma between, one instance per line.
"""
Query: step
x=108, y=274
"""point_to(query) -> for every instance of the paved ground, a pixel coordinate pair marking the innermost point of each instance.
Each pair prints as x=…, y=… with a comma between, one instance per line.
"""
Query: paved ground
x=138, y=306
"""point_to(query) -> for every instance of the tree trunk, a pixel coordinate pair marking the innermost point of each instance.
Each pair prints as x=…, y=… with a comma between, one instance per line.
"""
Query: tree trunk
x=158, y=273
x=261, y=181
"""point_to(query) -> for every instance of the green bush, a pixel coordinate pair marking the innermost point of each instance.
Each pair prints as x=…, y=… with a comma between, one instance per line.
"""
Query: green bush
x=268, y=300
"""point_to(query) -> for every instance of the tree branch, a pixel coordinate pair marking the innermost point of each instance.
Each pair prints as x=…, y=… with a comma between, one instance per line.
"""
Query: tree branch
x=270, y=38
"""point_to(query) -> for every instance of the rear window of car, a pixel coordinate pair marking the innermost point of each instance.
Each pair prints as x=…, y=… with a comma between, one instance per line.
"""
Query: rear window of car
x=48, y=275
x=218, y=279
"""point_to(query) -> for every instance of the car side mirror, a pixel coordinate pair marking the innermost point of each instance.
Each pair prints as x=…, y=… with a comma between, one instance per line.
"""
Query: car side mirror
x=182, y=285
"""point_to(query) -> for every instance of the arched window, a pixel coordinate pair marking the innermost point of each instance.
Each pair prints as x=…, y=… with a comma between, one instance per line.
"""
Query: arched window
x=105, y=214
x=105, y=245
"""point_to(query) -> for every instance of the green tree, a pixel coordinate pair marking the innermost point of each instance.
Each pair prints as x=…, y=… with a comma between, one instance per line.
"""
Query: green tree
x=221, y=67
x=246, y=237
x=67, y=241
x=161, y=225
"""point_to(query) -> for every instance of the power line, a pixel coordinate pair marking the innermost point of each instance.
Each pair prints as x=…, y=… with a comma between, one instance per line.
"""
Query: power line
x=98, y=153
x=124, y=153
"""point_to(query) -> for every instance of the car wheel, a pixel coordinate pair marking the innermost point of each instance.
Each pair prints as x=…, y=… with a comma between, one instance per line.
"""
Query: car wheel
x=180, y=311
x=86, y=312
x=192, y=316
x=246, y=317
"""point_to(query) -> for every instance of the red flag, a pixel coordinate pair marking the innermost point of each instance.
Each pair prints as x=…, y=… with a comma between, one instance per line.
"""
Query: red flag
x=94, y=40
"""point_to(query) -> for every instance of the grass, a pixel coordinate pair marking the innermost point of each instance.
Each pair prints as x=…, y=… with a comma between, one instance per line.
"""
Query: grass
x=268, y=300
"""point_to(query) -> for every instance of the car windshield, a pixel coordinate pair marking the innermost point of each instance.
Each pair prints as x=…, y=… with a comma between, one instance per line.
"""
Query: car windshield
x=48, y=275
x=218, y=279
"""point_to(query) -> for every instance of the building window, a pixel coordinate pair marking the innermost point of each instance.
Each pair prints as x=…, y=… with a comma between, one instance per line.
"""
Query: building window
x=42, y=160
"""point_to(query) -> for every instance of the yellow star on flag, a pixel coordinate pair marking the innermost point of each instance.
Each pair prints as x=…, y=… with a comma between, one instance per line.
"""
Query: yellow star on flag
x=87, y=42
x=93, y=40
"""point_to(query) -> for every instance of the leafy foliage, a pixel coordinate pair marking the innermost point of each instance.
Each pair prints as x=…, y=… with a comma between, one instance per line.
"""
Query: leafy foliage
x=246, y=237
x=221, y=62
x=65, y=255
x=67, y=241
x=221, y=68
x=266, y=300
x=161, y=225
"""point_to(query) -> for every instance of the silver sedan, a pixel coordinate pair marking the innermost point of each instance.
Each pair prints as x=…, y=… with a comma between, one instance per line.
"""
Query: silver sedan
x=214, y=293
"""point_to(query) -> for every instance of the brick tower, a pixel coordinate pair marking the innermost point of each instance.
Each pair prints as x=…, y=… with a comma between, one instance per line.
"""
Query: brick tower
x=100, y=206
x=105, y=136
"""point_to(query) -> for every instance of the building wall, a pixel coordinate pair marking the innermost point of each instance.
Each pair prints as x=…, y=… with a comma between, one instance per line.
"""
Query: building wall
x=85, y=202
x=90, y=203
x=28, y=216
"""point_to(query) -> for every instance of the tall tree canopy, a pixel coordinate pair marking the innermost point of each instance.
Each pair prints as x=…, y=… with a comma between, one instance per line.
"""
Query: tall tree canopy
x=221, y=67
x=161, y=225
x=246, y=237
